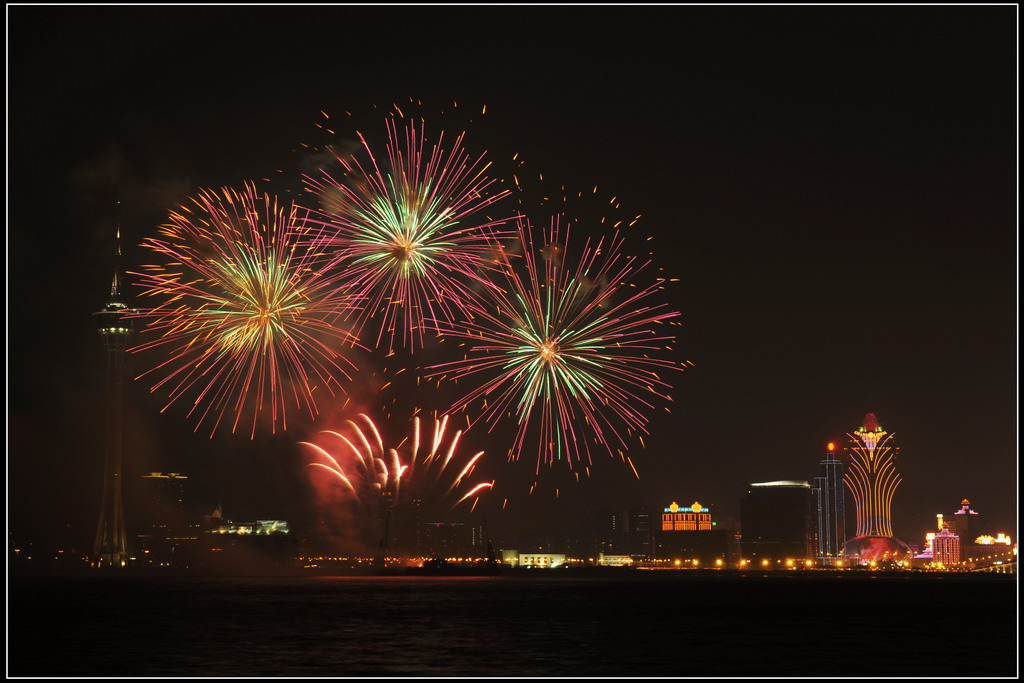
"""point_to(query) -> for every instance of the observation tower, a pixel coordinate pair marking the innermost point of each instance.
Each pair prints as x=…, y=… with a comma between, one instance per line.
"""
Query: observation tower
x=872, y=480
x=110, y=548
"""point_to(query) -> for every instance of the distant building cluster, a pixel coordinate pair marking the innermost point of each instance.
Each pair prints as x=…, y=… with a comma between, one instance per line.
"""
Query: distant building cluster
x=841, y=520
x=782, y=524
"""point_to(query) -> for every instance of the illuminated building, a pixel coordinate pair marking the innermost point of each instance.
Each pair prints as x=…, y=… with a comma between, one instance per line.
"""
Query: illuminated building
x=975, y=544
x=537, y=560
x=690, y=533
x=990, y=553
x=261, y=527
x=1000, y=539
x=964, y=523
x=110, y=548
x=247, y=546
x=828, y=497
x=926, y=555
x=541, y=560
x=693, y=518
x=946, y=548
x=872, y=480
x=775, y=521
x=604, y=560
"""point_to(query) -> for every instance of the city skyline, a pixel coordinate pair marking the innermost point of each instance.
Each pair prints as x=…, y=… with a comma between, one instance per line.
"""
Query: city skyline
x=808, y=297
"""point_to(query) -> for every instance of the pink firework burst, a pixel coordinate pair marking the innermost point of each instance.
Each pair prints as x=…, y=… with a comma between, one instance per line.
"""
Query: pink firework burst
x=409, y=234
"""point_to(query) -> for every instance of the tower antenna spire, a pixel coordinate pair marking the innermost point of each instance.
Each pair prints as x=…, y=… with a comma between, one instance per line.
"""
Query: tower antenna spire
x=116, y=295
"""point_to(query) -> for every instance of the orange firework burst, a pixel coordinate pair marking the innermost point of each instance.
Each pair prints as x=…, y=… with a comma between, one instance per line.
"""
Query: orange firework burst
x=246, y=317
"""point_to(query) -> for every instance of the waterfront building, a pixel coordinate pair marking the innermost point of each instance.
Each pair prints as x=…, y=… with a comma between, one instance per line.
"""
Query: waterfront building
x=776, y=521
x=872, y=480
x=247, y=545
x=541, y=560
x=538, y=560
x=946, y=548
x=828, y=497
x=689, y=533
x=604, y=560
x=261, y=527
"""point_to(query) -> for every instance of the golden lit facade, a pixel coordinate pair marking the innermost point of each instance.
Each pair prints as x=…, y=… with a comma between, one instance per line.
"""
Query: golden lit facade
x=693, y=518
x=871, y=477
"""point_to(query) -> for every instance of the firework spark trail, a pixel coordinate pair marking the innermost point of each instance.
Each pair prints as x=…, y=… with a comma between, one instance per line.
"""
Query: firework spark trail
x=406, y=233
x=246, y=316
x=382, y=476
x=563, y=345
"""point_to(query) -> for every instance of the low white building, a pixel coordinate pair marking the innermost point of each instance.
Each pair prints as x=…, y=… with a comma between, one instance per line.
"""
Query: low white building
x=515, y=558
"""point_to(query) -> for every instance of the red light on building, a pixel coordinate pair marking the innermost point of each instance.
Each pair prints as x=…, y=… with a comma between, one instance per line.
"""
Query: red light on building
x=831, y=446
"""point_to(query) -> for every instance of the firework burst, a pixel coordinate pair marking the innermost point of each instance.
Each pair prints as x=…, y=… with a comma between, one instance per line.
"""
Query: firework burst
x=245, y=316
x=422, y=474
x=408, y=234
x=564, y=349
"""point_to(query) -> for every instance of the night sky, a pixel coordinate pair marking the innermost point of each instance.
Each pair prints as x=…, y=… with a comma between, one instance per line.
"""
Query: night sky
x=835, y=188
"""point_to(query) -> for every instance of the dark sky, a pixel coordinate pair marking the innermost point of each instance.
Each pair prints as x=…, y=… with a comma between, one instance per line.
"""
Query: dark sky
x=835, y=187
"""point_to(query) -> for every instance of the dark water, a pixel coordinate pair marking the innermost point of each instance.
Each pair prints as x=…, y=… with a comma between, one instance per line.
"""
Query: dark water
x=634, y=624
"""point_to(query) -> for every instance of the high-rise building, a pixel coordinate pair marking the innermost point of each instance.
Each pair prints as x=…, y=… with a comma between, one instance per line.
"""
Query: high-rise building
x=110, y=548
x=776, y=521
x=946, y=548
x=621, y=532
x=616, y=531
x=964, y=523
x=165, y=498
x=167, y=536
x=872, y=480
x=640, y=534
x=828, y=497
